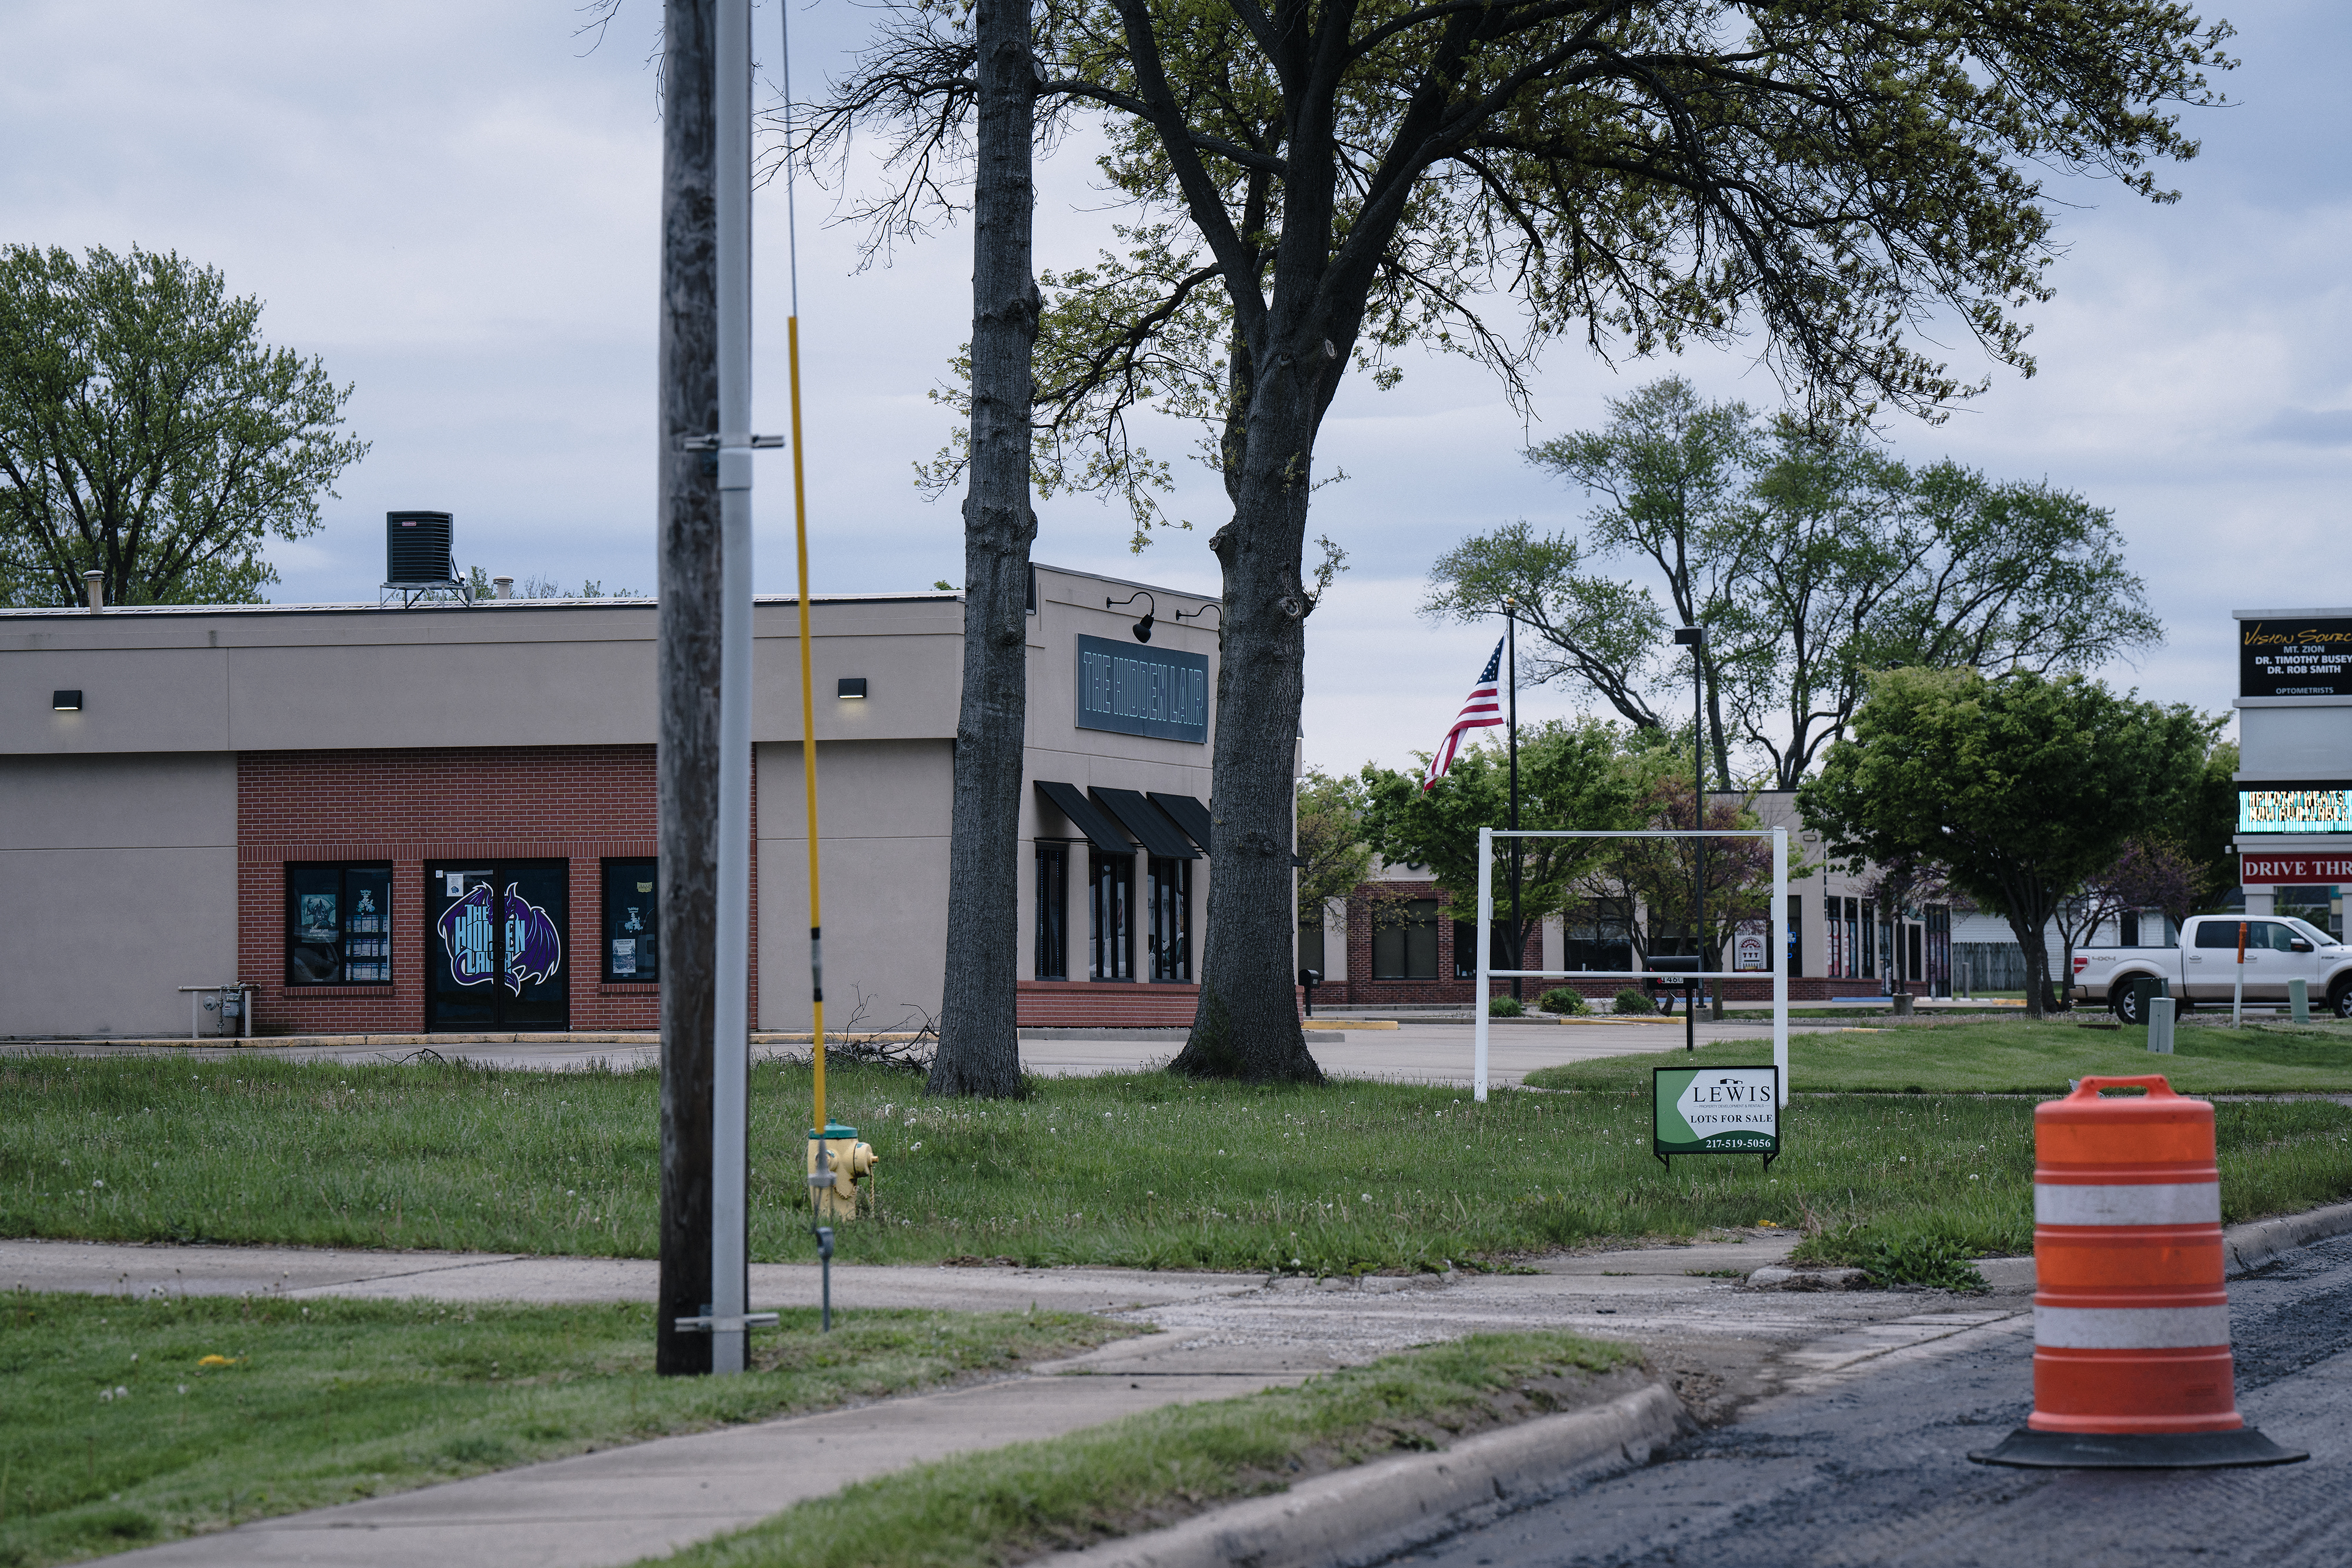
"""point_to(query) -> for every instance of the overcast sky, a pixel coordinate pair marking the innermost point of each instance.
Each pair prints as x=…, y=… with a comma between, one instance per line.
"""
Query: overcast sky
x=455, y=205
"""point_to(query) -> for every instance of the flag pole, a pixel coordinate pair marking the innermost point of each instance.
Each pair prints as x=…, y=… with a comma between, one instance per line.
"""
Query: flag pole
x=1518, y=933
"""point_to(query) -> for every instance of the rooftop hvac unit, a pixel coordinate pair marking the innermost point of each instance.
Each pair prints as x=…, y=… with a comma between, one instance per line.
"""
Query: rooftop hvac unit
x=416, y=559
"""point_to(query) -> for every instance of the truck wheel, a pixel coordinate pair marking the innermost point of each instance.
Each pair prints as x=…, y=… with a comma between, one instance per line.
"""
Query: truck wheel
x=2123, y=1003
x=2339, y=999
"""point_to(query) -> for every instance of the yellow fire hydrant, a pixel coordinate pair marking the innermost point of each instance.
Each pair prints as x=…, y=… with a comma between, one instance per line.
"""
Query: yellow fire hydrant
x=848, y=1162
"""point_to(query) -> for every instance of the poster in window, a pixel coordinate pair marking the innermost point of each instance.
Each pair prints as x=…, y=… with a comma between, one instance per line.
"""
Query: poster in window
x=315, y=918
x=624, y=956
x=1748, y=953
x=366, y=914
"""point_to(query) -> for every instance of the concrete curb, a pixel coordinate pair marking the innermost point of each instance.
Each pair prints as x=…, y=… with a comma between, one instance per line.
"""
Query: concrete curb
x=1373, y=1512
x=2246, y=1248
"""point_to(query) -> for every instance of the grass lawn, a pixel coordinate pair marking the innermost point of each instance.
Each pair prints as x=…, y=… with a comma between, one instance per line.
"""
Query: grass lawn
x=982, y=1509
x=1140, y=1169
x=112, y=1434
x=2015, y=1056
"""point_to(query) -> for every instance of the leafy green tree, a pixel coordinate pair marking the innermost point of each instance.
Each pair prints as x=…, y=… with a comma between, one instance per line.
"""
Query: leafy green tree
x=2022, y=786
x=2207, y=821
x=1671, y=470
x=147, y=432
x=1656, y=881
x=1571, y=776
x=1316, y=184
x=1812, y=557
x=1332, y=841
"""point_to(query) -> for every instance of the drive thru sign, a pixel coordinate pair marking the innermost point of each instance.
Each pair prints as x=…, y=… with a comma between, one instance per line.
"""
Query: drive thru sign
x=1715, y=1110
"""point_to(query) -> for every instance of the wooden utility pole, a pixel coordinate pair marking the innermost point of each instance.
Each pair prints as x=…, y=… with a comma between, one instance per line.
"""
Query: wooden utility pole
x=690, y=583
x=980, y=1046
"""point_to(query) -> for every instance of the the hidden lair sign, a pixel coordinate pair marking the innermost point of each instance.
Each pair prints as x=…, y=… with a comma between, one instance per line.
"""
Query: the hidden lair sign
x=1715, y=1110
x=1137, y=690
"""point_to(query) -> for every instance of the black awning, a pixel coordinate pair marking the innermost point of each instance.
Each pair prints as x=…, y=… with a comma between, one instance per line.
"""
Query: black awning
x=1101, y=830
x=1144, y=821
x=1189, y=814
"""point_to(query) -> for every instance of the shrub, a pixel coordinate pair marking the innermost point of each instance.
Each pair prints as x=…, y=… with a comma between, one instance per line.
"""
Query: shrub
x=1504, y=1007
x=1633, y=999
x=1562, y=999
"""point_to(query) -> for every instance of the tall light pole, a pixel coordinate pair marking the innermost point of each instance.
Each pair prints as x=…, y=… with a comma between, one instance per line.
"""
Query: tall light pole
x=1694, y=639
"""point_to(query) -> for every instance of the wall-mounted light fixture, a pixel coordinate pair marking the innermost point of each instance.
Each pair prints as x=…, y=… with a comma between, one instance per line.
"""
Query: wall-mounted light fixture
x=850, y=688
x=1182, y=615
x=66, y=702
x=1142, y=627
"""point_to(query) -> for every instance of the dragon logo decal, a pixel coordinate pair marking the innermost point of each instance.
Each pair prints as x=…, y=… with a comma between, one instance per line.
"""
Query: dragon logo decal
x=534, y=947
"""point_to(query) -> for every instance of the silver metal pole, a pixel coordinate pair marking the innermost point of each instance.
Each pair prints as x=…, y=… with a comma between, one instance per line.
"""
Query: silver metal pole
x=1485, y=962
x=1778, y=927
x=730, y=1150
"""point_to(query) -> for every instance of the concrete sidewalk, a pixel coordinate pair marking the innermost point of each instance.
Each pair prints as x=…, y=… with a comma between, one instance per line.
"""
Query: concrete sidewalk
x=614, y=1506
x=1222, y=1335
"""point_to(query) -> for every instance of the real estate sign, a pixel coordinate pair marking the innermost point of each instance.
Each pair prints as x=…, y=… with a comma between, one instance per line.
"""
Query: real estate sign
x=1715, y=1110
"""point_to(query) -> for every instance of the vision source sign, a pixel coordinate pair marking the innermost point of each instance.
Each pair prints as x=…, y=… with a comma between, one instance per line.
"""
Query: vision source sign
x=2294, y=658
x=1715, y=1110
x=1134, y=690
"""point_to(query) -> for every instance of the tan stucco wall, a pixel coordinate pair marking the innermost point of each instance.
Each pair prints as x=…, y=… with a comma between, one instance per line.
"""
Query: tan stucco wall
x=207, y=682
x=882, y=827
x=515, y=672
x=1070, y=605
x=118, y=876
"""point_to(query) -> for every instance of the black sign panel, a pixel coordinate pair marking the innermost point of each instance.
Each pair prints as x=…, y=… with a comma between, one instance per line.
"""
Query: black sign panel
x=1134, y=689
x=2294, y=658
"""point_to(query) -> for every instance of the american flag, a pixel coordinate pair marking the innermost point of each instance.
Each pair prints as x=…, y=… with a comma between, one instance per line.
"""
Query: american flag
x=1482, y=709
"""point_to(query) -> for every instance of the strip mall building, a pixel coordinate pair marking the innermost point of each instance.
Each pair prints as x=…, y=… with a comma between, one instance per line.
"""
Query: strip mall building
x=442, y=818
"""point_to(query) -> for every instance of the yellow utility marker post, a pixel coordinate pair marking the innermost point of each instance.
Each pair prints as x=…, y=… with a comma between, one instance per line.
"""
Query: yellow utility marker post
x=825, y=1200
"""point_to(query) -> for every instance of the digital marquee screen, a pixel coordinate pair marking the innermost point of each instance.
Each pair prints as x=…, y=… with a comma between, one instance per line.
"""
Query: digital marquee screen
x=2294, y=807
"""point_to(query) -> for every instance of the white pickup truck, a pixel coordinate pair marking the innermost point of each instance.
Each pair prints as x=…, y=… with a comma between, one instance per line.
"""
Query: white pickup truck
x=2204, y=967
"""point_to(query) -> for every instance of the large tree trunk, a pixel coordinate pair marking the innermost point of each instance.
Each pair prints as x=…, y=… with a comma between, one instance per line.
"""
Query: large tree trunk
x=1246, y=1026
x=980, y=1042
x=2029, y=933
x=688, y=674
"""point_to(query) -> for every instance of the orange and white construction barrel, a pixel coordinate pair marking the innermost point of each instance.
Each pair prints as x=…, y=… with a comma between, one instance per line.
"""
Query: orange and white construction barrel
x=2131, y=1315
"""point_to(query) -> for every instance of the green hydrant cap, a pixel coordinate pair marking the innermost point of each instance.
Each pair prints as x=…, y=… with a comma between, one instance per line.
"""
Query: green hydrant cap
x=832, y=1130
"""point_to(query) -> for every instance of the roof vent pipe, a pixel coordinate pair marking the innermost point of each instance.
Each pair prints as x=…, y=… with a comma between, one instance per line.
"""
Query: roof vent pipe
x=502, y=587
x=94, y=583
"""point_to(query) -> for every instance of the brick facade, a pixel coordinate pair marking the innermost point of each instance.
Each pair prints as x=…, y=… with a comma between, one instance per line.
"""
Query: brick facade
x=580, y=804
x=1361, y=989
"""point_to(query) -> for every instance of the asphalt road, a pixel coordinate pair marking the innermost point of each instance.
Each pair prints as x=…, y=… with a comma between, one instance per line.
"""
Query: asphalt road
x=1873, y=1471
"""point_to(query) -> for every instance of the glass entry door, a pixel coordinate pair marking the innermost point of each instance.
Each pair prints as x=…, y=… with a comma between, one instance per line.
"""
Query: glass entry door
x=495, y=950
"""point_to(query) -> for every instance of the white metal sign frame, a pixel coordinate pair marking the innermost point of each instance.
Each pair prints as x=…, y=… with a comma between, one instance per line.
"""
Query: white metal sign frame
x=1777, y=924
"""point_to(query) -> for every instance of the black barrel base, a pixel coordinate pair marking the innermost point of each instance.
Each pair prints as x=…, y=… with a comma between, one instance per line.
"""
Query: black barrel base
x=2030, y=1449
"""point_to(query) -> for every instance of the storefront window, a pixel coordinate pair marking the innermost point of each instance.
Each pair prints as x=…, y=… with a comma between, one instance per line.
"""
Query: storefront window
x=1498, y=943
x=1170, y=887
x=338, y=925
x=1310, y=946
x=1053, y=906
x=1599, y=934
x=632, y=933
x=1406, y=950
x=1111, y=956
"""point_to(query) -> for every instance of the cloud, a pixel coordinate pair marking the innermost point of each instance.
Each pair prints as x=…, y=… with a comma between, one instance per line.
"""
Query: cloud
x=2308, y=427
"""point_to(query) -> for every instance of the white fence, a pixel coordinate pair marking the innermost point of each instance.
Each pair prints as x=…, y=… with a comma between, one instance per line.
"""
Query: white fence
x=1776, y=926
